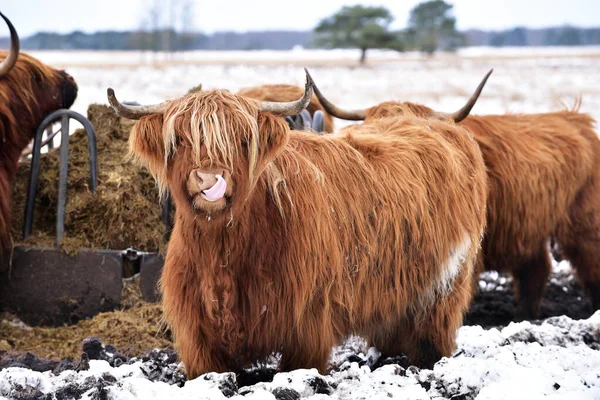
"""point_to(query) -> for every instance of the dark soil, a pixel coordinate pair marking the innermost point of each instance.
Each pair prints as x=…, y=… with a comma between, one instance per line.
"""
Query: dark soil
x=496, y=307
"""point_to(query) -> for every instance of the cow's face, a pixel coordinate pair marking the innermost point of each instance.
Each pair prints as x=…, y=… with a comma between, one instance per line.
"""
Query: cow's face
x=37, y=89
x=30, y=90
x=54, y=88
x=210, y=149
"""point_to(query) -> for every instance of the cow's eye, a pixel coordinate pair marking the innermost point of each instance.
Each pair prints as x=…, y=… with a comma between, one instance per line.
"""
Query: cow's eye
x=37, y=78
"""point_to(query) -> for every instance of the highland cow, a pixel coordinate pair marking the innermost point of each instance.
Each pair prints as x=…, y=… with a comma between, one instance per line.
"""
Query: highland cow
x=283, y=92
x=544, y=183
x=29, y=91
x=286, y=241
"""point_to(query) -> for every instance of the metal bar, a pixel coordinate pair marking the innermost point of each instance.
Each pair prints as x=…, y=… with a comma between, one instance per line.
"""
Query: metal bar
x=34, y=173
x=63, y=174
x=36, y=158
x=290, y=121
x=166, y=216
x=50, y=137
x=306, y=120
x=318, y=122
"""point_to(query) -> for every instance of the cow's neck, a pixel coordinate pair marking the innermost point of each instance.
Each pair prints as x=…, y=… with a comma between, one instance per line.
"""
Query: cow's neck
x=9, y=161
x=236, y=240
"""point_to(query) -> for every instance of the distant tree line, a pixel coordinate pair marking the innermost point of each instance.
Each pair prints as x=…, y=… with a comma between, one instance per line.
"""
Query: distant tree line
x=166, y=40
x=286, y=40
x=166, y=25
x=556, y=36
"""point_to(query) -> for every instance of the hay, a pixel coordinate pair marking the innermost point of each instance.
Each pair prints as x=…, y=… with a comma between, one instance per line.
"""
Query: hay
x=125, y=210
x=134, y=330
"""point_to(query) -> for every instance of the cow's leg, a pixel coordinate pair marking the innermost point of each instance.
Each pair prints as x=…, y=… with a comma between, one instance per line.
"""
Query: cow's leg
x=530, y=276
x=392, y=340
x=308, y=348
x=579, y=239
x=302, y=355
x=585, y=259
x=429, y=336
x=198, y=358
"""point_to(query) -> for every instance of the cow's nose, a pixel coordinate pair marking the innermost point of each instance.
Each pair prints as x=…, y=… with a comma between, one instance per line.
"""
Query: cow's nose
x=205, y=181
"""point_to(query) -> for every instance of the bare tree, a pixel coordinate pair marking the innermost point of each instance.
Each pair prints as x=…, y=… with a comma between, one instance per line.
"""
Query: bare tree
x=167, y=25
x=187, y=24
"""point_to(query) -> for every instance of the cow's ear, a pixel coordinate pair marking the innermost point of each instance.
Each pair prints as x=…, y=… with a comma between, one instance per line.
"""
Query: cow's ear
x=146, y=143
x=274, y=131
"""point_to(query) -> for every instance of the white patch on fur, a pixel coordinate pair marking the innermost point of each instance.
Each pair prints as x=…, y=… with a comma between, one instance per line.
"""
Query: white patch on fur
x=451, y=267
x=449, y=271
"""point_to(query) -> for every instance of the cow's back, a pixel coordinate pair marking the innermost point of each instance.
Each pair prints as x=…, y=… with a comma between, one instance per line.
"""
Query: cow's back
x=536, y=165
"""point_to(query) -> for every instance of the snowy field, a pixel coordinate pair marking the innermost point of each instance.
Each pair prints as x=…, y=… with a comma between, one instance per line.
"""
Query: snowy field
x=557, y=358
x=524, y=79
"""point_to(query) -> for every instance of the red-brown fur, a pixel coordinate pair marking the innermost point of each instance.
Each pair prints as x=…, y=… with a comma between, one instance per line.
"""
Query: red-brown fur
x=283, y=92
x=30, y=91
x=544, y=181
x=326, y=236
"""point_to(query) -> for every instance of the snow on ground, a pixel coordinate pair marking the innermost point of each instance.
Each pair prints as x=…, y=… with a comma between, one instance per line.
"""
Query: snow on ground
x=562, y=272
x=559, y=359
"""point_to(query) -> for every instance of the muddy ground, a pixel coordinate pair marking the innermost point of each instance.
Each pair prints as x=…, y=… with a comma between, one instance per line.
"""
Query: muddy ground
x=493, y=307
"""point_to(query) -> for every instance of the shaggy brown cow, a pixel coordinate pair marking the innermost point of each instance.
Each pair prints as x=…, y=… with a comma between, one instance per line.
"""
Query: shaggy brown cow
x=29, y=90
x=544, y=181
x=283, y=92
x=289, y=241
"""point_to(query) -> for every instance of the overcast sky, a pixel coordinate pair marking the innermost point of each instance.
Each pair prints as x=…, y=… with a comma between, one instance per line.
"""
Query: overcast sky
x=31, y=16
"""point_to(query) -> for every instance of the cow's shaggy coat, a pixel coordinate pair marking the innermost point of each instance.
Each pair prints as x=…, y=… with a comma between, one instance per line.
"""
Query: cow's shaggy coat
x=544, y=182
x=371, y=231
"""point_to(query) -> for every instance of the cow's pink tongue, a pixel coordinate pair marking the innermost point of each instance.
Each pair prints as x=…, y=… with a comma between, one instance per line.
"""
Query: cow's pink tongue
x=217, y=191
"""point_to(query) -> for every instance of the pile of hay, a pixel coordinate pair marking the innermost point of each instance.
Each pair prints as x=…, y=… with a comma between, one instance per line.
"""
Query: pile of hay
x=124, y=212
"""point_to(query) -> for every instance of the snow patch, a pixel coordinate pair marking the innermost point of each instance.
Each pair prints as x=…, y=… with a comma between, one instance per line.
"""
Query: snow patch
x=559, y=359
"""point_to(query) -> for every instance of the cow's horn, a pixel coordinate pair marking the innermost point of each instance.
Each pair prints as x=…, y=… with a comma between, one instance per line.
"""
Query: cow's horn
x=134, y=112
x=352, y=115
x=291, y=107
x=10, y=60
x=466, y=109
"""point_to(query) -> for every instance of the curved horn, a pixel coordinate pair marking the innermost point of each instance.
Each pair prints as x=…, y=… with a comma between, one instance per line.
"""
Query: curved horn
x=134, y=112
x=352, y=115
x=461, y=114
x=291, y=107
x=13, y=53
